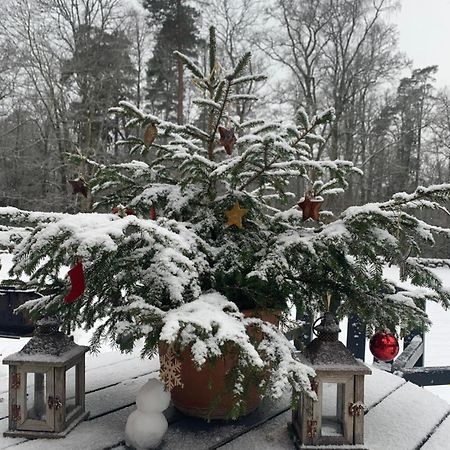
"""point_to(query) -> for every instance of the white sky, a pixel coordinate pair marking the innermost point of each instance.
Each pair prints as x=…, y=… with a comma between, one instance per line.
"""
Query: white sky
x=424, y=32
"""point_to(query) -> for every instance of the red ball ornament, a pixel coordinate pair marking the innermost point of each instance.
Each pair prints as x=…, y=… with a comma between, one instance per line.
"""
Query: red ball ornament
x=384, y=346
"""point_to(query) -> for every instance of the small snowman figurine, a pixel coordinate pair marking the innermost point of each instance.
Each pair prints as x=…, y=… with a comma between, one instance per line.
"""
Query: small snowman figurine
x=147, y=425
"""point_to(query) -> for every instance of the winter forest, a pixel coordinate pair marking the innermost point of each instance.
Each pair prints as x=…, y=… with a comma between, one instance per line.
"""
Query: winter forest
x=64, y=63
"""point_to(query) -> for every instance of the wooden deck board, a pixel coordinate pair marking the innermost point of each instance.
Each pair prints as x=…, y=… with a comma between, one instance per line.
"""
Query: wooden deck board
x=440, y=439
x=112, y=384
x=416, y=409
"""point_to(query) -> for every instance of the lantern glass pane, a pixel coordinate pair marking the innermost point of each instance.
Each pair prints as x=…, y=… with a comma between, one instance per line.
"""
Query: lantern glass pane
x=36, y=395
x=332, y=409
x=71, y=397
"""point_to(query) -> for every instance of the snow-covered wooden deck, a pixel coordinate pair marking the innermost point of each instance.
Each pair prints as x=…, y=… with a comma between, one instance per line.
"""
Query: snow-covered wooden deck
x=399, y=415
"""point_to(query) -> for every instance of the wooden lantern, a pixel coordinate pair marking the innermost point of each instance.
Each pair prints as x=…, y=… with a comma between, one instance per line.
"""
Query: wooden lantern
x=46, y=384
x=337, y=417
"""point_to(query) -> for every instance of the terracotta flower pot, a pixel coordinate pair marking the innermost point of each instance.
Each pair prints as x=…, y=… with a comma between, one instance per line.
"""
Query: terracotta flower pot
x=204, y=393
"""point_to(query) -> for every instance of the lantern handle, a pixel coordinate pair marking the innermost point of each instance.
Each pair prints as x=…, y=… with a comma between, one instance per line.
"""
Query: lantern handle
x=314, y=326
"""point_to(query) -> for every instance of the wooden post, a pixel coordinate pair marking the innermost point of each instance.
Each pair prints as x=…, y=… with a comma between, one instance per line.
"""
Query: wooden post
x=358, y=431
x=14, y=384
x=80, y=384
x=410, y=337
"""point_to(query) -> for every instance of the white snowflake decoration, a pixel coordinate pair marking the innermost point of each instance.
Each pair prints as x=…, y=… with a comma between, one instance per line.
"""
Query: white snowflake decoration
x=170, y=370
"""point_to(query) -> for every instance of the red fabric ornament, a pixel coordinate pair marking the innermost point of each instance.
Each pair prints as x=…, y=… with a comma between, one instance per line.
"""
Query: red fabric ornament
x=152, y=213
x=76, y=275
x=310, y=207
x=227, y=139
x=384, y=346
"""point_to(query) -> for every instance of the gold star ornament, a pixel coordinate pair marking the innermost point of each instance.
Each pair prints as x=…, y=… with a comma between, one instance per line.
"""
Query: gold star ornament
x=235, y=215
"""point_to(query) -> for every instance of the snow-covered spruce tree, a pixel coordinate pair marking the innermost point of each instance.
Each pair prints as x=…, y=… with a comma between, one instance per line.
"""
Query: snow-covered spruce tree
x=182, y=266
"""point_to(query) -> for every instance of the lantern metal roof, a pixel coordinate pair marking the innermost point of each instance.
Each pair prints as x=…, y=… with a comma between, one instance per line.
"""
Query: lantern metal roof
x=326, y=353
x=48, y=346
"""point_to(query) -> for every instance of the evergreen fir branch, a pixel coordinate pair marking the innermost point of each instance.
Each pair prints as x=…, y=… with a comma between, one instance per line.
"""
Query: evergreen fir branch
x=19, y=217
x=302, y=118
x=244, y=97
x=212, y=50
x=138, y=147
x=196, y=132
x=431, y=262
x=127, y=108
x=207, y=103
x=215, y=126
x=250, y=124
x=77, y=158
x=267, y=127
x=218, y=96
x=196, y=71
x=324, y=117
x=10, y=236
x=133, y=122
x=241, y=65
x=249, y=78
x=314, y=139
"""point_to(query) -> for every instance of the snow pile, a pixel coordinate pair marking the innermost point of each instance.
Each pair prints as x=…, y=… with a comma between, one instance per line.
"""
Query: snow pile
x=147, y=425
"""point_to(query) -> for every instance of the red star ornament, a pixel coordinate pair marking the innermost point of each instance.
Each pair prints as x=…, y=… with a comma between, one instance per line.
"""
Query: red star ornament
x=235, y=215
x=310, y=207
x=227, y=139
x=79, y=185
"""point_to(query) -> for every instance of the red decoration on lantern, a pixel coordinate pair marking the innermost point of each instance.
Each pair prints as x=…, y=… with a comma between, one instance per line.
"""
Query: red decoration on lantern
x=153, y=213
x=76, y=275
x=384, y=346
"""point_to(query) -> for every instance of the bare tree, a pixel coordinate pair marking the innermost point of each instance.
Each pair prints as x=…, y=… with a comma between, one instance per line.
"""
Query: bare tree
x=137, y=28
x=339, y=54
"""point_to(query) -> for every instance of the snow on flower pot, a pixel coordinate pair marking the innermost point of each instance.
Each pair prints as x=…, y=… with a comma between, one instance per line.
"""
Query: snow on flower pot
x=209, y=391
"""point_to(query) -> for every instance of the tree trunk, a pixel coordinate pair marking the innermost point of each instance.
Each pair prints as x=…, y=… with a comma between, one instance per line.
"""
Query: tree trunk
x=180, y=70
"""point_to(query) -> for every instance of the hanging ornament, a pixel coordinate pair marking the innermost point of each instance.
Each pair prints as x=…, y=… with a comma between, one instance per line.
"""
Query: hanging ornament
x=384, y=346
x=152, y=213
x=310, y=206
x=79, y=185
x=235, y=215
x=121, y=211
x=227, y=139
x=150, y=134
x=76, y=275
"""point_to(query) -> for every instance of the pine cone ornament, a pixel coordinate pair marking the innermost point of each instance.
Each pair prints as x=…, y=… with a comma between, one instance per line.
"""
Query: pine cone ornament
x=150, y=134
